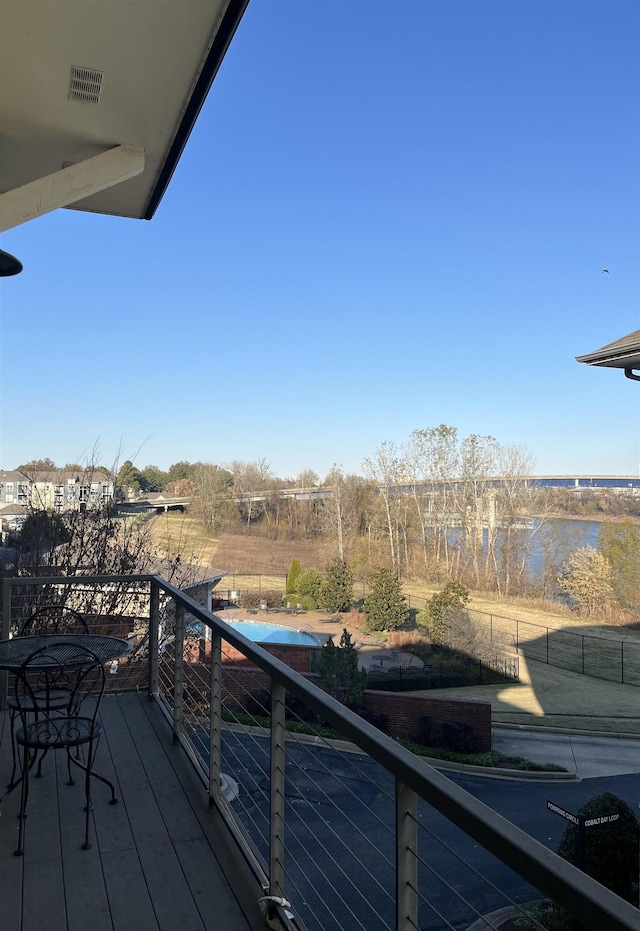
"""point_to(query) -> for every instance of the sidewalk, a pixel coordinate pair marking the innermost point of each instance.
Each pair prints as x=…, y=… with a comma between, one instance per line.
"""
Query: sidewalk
x=588, y=755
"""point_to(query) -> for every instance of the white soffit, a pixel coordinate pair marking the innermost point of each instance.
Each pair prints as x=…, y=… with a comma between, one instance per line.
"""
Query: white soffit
x=81, y=77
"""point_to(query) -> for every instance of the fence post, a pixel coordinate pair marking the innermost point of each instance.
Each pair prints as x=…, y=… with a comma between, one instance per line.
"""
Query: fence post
x=622, y=661
x=215, y=719
x=582, y=636
x=178, y=684
x=406, y=857
x=154, y=638
x=276, y=815
x=6, y=618
x=547, y=646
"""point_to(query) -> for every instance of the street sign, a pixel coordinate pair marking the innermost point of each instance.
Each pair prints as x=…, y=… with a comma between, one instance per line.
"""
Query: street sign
x=567, y=815
x=603, y=819
x=582, y=822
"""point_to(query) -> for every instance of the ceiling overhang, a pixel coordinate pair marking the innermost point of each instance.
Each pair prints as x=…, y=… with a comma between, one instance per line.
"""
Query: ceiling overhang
x=97, y=99
x=623, y=354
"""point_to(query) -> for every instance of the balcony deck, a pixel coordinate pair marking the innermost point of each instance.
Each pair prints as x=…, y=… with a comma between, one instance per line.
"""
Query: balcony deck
x=159, y=859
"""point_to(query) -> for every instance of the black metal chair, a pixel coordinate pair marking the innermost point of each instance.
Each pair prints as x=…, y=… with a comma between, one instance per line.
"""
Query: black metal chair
x=53, y=619
x=50, y=620
x=43, y=728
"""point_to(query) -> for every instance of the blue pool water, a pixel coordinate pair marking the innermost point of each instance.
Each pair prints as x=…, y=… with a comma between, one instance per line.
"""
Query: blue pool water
x=259, y=632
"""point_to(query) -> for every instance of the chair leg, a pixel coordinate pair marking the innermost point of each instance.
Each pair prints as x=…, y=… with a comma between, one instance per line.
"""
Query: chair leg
x=14, y=756
x=87, y=795
x=24, y=795
x=103, y=779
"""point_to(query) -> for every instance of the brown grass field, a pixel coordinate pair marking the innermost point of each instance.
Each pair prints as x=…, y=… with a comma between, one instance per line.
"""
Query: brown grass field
x=545, y=696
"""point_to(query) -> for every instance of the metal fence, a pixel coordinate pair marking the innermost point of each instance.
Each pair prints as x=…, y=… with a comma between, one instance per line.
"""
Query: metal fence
x=591, y=655
x=363, y=835
x=442, y=675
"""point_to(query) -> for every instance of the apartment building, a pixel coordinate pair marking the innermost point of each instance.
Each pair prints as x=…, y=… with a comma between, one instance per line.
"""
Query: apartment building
x=59, y=490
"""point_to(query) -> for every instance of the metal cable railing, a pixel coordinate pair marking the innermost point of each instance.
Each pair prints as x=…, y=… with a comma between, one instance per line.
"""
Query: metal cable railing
x=358, y=836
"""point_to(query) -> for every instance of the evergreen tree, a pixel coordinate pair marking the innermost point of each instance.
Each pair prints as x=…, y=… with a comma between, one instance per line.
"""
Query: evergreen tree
x=338, y=671
x=385, y=607
x=336, y=593
x=444, y=607
x=293, y=578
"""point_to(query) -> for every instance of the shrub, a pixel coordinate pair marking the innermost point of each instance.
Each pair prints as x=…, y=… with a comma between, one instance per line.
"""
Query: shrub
x=310, y=585
x=610, y=857
x=445, y=735
x=253, y=599
x=444, y=606
x=611, y=849
x=385, y=606
x=336, y=593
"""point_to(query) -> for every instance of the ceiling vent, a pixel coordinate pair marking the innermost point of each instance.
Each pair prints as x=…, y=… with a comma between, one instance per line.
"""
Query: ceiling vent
x=85, y=85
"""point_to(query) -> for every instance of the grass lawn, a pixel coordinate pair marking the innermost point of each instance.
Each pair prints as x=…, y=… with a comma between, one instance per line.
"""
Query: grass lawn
x=550, y=697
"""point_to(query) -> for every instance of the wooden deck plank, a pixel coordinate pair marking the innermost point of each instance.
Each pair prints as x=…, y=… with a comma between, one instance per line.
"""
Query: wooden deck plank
x=169, y=889
x=177, y=814
x=232, y=877
x=84, y=886
x=157, y=857
x=131, y=905
x=44, y=906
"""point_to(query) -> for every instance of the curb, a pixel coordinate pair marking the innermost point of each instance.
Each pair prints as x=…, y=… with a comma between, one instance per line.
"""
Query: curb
x=532, y=728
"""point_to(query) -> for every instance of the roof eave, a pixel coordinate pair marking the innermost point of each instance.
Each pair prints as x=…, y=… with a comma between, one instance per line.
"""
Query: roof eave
x=230, y=22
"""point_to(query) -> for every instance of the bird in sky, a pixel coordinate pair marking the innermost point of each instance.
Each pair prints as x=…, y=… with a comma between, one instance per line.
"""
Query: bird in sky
x=605, y=271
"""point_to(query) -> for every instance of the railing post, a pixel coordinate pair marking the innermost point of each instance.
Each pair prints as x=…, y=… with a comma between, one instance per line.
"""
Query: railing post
x=406, y=858
x=276, y=815
x=215, y=718
x=178, y=674
x=6, y=621
x=154, y=637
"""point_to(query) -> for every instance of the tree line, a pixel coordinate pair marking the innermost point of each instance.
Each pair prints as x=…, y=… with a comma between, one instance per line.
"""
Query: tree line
x=426, y=509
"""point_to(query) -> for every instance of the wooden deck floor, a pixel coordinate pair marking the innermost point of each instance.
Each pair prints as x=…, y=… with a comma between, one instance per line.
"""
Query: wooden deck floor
x=155, y=861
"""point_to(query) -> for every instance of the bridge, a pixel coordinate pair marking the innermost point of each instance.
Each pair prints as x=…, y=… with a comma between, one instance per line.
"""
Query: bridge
x=577, y=482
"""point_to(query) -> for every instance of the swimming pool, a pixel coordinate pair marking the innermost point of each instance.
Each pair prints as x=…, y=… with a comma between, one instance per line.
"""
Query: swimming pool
x=260, y=632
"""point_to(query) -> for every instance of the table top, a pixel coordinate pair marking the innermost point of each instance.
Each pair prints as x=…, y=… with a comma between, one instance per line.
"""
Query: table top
x=14, y=652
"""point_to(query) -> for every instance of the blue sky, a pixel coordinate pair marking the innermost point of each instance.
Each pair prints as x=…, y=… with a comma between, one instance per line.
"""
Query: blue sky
x=391, y=214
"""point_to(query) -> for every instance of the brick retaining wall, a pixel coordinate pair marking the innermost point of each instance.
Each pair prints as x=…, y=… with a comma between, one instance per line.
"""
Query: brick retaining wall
x=403, y=712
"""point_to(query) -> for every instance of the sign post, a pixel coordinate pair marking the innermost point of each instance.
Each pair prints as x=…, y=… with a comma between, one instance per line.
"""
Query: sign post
x=582, y=823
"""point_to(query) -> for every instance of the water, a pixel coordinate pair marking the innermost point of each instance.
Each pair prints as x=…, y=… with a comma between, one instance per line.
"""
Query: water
x=552, y=539
x=260, y=632
x=559, y=537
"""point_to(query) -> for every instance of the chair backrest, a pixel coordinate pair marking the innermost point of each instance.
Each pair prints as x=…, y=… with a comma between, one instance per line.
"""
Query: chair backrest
x=59, y=665
x=54, y=619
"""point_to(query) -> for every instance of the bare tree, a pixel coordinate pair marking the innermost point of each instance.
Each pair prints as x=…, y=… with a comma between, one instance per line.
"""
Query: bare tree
x=386, y=470
x=341, y=510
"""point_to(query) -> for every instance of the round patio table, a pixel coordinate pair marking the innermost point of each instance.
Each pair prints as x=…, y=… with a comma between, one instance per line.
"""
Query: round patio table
x=64, y=650
x=381, y=657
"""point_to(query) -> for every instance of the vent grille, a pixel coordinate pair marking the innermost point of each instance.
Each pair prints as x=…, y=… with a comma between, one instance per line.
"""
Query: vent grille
x=85, y=85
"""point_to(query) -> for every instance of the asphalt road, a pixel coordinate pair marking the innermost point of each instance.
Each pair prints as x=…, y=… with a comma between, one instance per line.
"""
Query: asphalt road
x=340, y=835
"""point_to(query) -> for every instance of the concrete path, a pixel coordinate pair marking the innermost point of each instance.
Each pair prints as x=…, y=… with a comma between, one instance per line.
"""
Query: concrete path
x=587, y=755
